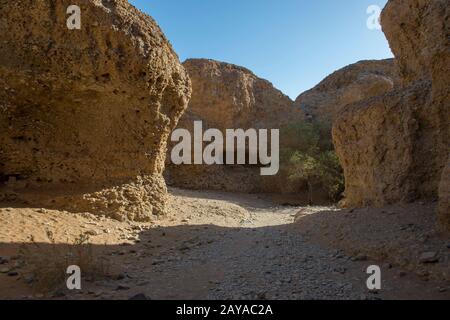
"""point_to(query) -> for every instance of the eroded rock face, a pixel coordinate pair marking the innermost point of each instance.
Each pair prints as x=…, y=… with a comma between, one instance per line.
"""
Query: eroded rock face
x=356, y=82
x=444, y=196
x=394, y=147
x=227, y=96
x=86, y=114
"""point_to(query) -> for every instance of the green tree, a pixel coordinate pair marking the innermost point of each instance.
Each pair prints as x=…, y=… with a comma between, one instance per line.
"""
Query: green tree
x=308, y=156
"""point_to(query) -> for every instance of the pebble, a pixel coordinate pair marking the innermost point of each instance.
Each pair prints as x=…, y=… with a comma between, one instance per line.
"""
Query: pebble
x=359, y=257
x=120, y=276
x=29, y=280
x=140, y=296
x=13, y=274
x=122, y=288
x=92, y=233
x=4, y=260
x=429, y=257
x=5, y=270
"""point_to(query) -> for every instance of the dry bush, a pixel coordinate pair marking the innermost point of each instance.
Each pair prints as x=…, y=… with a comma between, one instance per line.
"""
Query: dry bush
x=47, y=263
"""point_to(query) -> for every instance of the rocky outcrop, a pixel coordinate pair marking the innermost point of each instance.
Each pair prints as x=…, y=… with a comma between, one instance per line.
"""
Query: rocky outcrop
x=86, y=114
x=394, y=147
x=356, y=82
x=227, y=96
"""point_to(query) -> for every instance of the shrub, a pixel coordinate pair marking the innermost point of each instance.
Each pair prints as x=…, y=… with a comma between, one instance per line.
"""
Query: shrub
x=48, y=263
x=308, y=157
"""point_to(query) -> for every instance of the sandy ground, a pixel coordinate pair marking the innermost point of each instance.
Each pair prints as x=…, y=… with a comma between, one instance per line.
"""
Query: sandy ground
x=216, y=245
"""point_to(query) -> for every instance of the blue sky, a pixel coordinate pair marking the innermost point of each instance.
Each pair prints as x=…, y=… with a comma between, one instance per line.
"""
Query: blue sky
x=292, y=43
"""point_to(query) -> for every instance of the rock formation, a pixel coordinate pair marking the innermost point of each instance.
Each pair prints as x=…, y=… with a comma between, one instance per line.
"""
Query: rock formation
x=227, y=96
x=356, y=82
x=394, y=147
x=85, y=115
x=444, y=196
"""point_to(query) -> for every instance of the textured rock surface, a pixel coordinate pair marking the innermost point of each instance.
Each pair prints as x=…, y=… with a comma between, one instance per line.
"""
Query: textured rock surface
x=356, y=82
x=86, y=114
x=394, y=147
x=227, y=96
x=444, y=196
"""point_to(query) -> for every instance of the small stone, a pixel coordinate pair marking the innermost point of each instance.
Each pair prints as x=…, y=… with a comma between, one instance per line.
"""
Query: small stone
x=120, y=276
x=5, y=270
x=359, y=257
x=261, y=296
x=29, y=280
x=156, y=262
x=387, y=266
x=429, y=257
x=140, y=297
x=122, y=288
x=92, y=233
x=184, y=248
x=4, y=260
x=13, y=274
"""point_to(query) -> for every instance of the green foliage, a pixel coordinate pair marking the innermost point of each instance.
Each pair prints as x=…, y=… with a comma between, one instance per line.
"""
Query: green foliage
x=308, y=157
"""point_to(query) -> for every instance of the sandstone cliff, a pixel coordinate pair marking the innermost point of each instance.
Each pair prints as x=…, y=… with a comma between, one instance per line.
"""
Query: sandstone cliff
x=86, y=114
x=356, y=82
x=227, y=96
x=444, y=196
x=394, y=147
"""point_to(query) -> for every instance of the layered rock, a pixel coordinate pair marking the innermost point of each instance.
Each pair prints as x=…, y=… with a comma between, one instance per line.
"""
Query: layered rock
x=227, y=96
x=356, y=82
x=86, y=114
x=394, y=147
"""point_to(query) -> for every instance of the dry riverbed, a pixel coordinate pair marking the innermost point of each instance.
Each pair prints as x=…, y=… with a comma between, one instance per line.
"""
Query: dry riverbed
x=216, y=245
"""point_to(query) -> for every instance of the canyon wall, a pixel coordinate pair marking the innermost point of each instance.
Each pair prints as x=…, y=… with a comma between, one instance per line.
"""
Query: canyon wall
x=85, y=114
x=353, y=83
x=394, y=147
x=227, y=96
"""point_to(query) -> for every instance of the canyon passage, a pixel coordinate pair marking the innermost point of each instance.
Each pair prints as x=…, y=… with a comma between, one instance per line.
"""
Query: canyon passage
x=87, y=179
